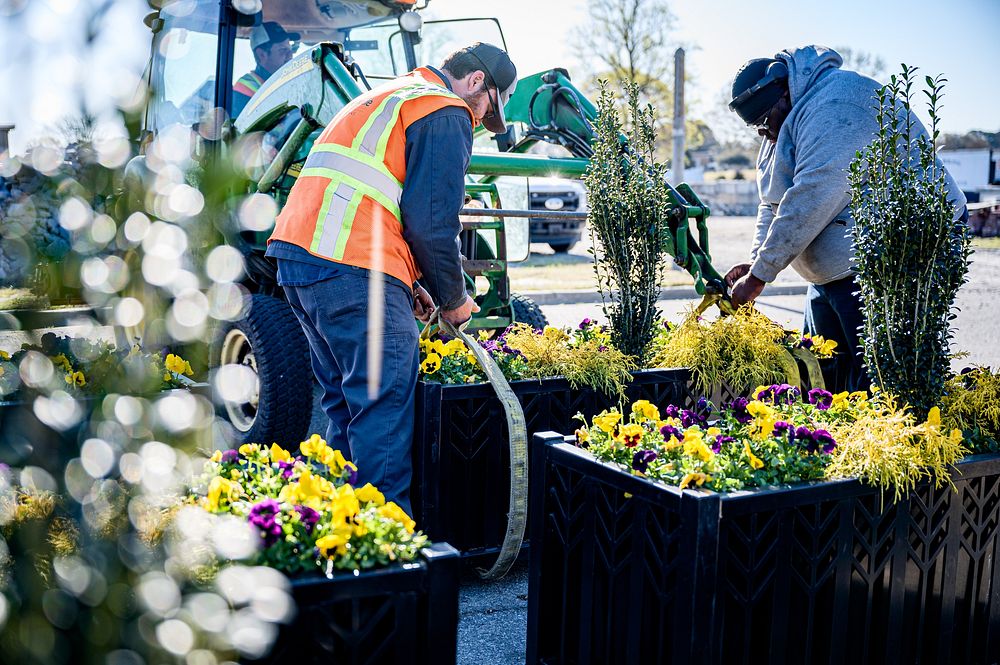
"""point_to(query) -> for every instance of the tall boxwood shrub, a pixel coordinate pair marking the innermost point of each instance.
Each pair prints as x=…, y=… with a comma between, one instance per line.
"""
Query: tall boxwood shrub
x=911, y=255
x=628, y=204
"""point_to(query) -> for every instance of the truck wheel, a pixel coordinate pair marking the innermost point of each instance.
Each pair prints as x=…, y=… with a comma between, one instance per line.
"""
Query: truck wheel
x=526, y=310
x=562, y=247
x=270, y=342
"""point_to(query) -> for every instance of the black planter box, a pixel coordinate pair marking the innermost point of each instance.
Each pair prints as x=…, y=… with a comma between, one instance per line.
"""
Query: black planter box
x=624, y=570
x=402, y=614
x=461, y=458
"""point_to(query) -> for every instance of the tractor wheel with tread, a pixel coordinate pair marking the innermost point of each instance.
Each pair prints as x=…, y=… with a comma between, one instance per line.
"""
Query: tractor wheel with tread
x=270, y=341
x=526, y=310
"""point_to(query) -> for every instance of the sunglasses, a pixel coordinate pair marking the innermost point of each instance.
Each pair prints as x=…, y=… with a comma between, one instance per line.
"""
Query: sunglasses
x=488, y=81
x=764, y=121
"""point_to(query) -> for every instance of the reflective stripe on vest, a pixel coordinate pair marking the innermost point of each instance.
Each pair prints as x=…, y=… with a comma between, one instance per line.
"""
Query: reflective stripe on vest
x=359, y=170
x=251, y=81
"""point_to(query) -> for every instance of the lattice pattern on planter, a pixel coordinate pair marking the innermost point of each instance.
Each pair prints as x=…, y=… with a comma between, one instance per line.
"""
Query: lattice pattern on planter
x=633, y=548
x=383, y=617
x=828, y=573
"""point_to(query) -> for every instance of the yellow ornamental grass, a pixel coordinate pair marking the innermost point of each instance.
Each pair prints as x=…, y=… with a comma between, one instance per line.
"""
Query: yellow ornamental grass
x=886, y=447
x=592, y=362
x=742, y=350
x=971, y=402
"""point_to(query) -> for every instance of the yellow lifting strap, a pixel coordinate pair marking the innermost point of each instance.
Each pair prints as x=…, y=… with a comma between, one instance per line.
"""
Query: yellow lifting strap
x=517, y=516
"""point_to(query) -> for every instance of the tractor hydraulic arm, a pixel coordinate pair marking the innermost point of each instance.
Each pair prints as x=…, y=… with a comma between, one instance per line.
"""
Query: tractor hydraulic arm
x=555, y=111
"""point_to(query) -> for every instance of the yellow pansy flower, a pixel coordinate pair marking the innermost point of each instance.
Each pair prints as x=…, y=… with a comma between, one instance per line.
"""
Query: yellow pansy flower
x=454, y=346
x=344, y=504
x=76, y=379
x=62, y=362
x=713, y=431
x=394, y=512
x=220, y=490
x=431, y=363
x=827, y=347
x=608, y=420
x=582, y=435
x=312, y=446
x=4, y=355
x=755, y=462
x=646, y=410
x=368, y=494
x=279, y=454
x=216, y=456
x=631, y=434
x=694, y=445
x=249, y=449
x=336, y=542
x=696, y=479
x=177, y=365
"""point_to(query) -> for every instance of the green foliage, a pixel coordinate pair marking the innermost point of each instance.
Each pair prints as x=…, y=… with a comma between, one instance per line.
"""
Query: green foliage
x=911, y=255
x=629, y=209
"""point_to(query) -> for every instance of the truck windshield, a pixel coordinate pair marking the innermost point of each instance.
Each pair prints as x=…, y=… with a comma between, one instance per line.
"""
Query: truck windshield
x=379, y=48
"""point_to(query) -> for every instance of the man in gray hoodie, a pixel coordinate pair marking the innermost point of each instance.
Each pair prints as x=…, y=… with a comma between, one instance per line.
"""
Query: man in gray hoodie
x=813, y=117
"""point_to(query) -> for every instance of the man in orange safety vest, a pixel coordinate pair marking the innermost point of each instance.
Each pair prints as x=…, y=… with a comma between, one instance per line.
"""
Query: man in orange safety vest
x=380, y=193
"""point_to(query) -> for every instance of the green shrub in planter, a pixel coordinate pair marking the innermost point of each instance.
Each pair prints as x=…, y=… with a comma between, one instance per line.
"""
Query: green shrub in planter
x=911, y=254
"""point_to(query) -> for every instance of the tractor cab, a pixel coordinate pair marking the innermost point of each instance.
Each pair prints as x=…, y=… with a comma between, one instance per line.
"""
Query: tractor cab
x=201, y=49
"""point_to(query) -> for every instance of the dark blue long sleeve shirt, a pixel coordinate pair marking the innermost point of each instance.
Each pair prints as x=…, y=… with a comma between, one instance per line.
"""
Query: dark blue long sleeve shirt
x=438, y=149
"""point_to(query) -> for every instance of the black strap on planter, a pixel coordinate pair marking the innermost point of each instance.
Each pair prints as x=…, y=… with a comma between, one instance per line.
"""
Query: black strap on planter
x=517, y=516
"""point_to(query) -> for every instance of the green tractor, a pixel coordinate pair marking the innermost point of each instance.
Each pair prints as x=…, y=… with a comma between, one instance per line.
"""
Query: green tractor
x=202, y=47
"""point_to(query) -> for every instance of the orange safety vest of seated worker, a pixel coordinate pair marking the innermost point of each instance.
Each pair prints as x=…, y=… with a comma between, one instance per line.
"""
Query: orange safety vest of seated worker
x=354, y=177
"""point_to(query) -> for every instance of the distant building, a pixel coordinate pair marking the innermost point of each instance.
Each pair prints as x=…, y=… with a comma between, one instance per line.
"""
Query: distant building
x=4, y=142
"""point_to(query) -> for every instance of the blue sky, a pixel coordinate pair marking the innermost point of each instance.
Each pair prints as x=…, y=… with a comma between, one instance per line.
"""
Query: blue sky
x=42, y=75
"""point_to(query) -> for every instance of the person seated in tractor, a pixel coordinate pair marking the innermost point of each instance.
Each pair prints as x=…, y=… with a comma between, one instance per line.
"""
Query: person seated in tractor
x=272, y=48
x=392, y=160
x=813, y=117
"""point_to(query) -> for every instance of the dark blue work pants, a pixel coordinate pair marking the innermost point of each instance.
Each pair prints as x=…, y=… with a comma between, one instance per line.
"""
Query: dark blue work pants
x=376, y=434
x=833, y=310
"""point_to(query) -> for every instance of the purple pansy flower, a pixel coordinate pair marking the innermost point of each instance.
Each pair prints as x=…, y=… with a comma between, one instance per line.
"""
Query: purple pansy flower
x=586, y=323
x=721, y=440
x=308, y=517
x=690, y=418
x=286, y=469
x=669, y=430
x=230, y=456
x=821, y=398
x=824, y=439
x=738, y=407
x=782, y=427
x=263, y=516
x=671, y=411
x=703, y=406
x=641, y=460
x=806, y=342
x=805, y=438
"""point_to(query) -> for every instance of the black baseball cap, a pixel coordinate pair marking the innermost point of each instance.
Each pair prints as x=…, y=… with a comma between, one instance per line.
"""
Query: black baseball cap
x=269, y=33
x=758, y=86
x=502, y=75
